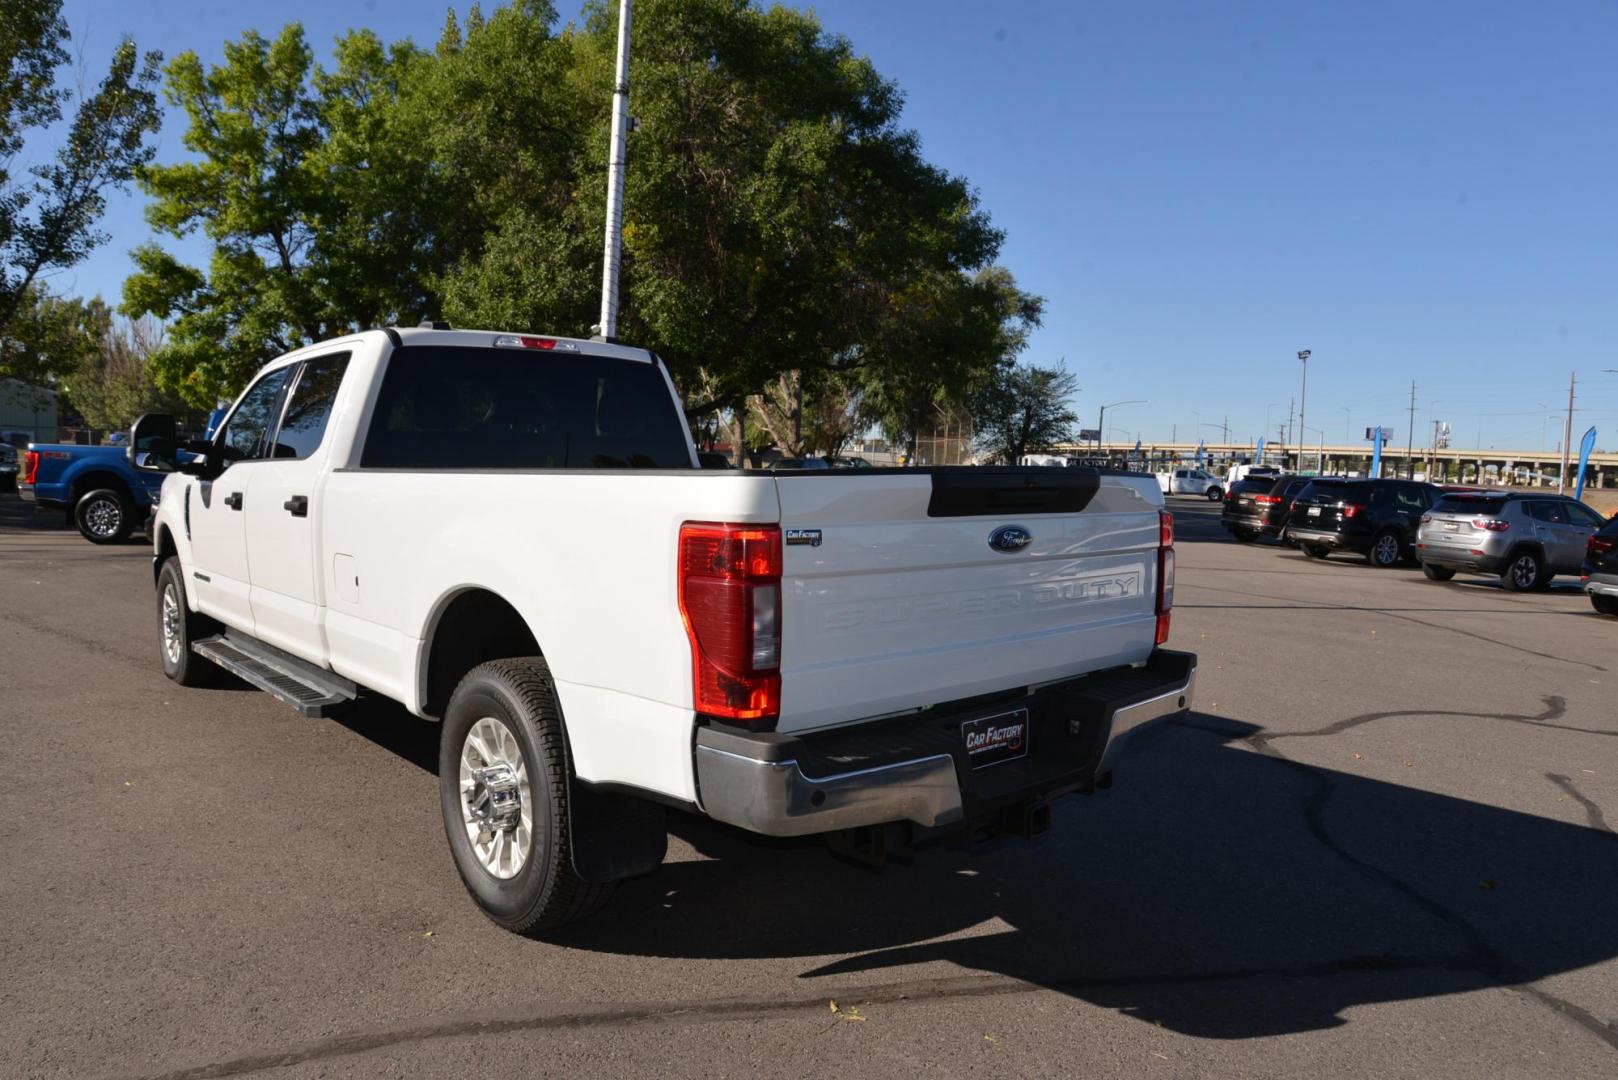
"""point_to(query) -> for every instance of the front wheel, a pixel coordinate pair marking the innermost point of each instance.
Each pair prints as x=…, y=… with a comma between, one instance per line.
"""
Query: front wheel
x=104, y=516
x=1316, y=551
x=177, y=627
x=1525, y=571
x=1437, y=573
x=1605, y=605
x=503, y=785
x=1215, y=494
x=1387, y=550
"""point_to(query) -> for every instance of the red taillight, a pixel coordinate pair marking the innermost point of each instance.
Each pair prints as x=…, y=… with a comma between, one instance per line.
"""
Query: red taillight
x=1165, y=573
x=730, y=599
x=30, y=465
x=1490, y=524
x=1267, y=500
x=1351, y=510
x=1597, y=545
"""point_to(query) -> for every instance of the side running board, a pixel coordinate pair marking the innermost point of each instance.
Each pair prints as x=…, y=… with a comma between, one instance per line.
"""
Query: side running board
x=309, y=689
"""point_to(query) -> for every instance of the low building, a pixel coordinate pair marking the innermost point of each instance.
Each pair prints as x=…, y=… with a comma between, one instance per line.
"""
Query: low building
x=27, y=413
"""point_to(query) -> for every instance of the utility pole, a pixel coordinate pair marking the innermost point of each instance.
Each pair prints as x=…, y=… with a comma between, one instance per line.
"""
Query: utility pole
x=1286, y=443
x=1567, y=433
x=1303, y=398
x=1227, y=429
x=608, y=327
x=1410, y=443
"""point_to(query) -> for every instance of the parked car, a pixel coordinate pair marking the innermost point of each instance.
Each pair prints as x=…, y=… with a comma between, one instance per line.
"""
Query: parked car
x=1600, y=570
x=1264, y=512
x=811, y=464
x=9, y=467
x=1524, y=537
x=707, y=459
x=851, y=463
x=432, y=515
x=100, y=491
x=1244, y=514
x=1187, y=481
x=1374, y=518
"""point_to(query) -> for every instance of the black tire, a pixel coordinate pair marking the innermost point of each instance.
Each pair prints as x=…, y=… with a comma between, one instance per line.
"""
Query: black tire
x=1437, y=573
x=1387, y=549
x=1315, y=551
x=545, y=892
x=1244, y=536
x=104, y=516
x=1524, y=571
x=1215, y=494
x=178, y=627
x=1605, y=605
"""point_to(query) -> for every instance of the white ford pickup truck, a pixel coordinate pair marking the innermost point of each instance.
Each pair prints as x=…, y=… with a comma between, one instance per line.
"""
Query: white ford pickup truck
x=510, y=534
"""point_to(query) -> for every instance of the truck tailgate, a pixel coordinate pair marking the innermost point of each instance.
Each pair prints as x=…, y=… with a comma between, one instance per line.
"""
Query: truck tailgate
x=894, y=598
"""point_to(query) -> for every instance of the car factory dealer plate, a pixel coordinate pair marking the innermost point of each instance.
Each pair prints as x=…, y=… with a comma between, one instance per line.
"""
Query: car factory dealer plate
x=991, y=740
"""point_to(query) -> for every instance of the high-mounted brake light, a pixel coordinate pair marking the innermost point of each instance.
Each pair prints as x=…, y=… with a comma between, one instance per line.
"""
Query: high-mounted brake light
x=1165, y=573
x=730, y=599
x=30, y=465
x=523, y=341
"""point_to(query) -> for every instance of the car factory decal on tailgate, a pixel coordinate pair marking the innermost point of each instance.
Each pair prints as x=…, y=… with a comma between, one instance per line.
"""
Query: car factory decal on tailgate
x=992, y=739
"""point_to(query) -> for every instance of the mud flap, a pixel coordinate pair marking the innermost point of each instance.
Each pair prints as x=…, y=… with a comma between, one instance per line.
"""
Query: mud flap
x=613, y=836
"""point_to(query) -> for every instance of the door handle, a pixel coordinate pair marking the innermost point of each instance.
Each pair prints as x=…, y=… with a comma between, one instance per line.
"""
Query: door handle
x=297, y=506
x=234, y=500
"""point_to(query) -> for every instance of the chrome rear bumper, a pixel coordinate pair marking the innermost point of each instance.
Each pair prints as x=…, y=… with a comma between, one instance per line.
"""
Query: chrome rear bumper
x=760, y=783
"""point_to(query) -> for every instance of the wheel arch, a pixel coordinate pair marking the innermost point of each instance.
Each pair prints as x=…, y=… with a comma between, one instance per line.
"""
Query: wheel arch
x=163, y=548
x=1524, y=545
x=91, y=479
x=468, y=626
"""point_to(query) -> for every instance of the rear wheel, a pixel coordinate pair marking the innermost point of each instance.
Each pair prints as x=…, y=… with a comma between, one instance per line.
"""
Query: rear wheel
x=1215, y=494
x=1387, y=549
x=1523, y=572
x=1245, y=536
x=1437, y=573
x=503, y=785
x=104, y=516
x=1316, y=551
x=1606, y=605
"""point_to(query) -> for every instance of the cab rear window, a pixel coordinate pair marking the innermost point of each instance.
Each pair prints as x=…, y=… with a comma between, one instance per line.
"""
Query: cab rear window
x=452, y=407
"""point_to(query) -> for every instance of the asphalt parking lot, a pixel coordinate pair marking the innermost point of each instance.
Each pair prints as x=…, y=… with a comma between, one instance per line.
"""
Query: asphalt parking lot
x=1382, y=845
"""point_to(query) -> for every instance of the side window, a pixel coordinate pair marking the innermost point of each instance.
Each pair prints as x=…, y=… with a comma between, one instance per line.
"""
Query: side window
x=1543, y=511
x=244, y=435
x=1412, y=497
x=1583, y=515
x=309, y=406
x=1179, y=474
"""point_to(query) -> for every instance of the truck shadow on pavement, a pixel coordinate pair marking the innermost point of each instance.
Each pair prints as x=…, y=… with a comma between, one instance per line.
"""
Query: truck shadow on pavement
x=1220, y=890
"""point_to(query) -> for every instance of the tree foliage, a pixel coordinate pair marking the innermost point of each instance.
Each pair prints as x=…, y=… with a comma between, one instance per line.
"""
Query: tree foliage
x=47, y=219
x=1023, y=409
x=113, y=382
x=785, y=241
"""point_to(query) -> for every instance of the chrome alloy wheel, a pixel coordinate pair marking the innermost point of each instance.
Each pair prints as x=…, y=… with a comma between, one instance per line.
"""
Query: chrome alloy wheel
x=104, y=517
x=496, y=799
x=1387, y=549
x=173, y=638
x=1524, y=571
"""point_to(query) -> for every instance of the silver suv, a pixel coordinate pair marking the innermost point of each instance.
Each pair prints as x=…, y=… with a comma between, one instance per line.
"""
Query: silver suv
x=1525, y=538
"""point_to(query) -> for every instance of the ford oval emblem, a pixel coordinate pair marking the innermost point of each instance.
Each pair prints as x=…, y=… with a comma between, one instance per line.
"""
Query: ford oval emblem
x=1010, y=538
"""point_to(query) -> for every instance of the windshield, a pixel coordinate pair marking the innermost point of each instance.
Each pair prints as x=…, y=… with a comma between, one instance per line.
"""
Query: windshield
x=450, y=407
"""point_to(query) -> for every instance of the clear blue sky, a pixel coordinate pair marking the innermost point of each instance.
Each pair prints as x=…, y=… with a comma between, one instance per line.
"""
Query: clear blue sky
x=1412, y=191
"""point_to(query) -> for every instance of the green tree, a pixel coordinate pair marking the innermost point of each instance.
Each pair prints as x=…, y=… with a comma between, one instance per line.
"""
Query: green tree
x=113, y=383
x=1024, y=408
x=49, y=336
x=311, y=200
x=47, y=219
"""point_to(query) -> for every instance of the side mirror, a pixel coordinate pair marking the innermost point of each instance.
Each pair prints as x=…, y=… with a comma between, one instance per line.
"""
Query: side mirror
x=154, y=443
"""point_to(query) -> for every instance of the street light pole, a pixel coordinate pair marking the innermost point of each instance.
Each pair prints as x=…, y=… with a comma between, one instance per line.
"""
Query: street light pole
x=613, y=256
x=1101, y=421
x=1303, y=396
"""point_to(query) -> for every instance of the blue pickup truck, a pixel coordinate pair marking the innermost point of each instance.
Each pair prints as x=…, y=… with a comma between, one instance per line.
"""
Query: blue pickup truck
x=102, y=493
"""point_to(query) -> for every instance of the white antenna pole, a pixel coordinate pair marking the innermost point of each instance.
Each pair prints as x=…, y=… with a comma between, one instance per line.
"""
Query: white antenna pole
x=608, y=328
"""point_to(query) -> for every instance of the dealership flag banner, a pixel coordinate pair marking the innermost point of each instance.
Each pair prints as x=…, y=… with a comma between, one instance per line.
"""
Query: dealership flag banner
x=1585, y=447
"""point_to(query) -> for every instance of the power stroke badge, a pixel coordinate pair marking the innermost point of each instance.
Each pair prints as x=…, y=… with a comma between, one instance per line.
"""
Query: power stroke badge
x=991, y=740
